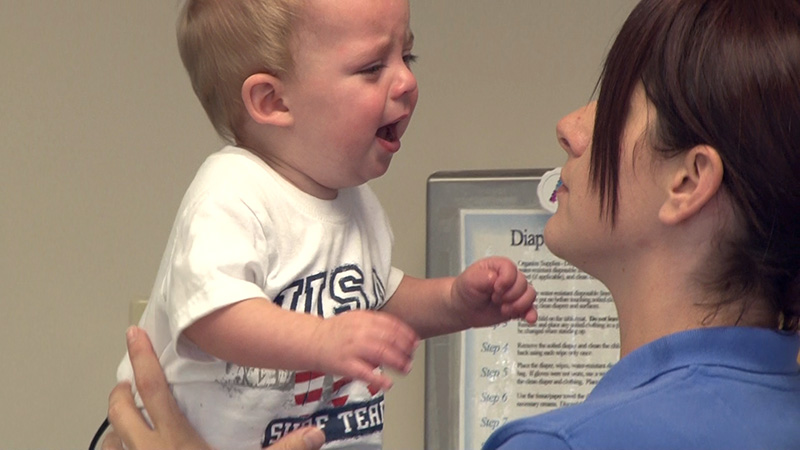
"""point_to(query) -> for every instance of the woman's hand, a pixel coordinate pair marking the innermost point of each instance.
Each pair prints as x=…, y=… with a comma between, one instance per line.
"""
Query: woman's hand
x=171, y=429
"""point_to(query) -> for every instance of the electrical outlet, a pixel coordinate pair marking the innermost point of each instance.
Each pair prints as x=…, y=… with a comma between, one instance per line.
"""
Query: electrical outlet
x=135, y=310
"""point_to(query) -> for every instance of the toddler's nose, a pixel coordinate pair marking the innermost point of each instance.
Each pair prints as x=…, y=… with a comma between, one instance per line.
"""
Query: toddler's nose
x=406, y=83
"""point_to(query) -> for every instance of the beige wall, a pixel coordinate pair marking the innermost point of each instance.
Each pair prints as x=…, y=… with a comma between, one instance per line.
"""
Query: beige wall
x=101, y=135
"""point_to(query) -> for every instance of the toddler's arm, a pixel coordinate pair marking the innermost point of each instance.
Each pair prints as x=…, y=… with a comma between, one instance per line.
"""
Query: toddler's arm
x=490, y=291
x=258, y=333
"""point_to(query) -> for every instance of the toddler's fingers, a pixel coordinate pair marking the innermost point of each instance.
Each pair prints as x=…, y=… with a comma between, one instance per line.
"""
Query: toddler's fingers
x=509, y=311
x=384, y=348
x=506, y=273
x=399, y=332
x=397, y=358
x=516, y=287
x=532, y=316
x=368, y=374
x=521, y=304
x=393, y=336
x=519, y=287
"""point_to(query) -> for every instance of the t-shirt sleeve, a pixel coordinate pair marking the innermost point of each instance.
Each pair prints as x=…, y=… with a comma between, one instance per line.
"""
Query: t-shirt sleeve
x=218, y=258
x=395, y=277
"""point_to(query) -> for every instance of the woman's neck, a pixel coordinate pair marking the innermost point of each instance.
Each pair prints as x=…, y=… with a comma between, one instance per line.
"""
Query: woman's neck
x=657, y=301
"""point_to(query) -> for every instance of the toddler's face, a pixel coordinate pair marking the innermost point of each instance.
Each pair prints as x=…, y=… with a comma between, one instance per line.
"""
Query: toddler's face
x=352, y=94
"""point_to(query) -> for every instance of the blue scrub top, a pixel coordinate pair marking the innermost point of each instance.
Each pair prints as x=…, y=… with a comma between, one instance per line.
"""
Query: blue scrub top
x=727, y=388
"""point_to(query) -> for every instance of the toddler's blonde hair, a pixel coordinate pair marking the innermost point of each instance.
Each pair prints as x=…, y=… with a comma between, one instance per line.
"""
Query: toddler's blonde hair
x=222, y=42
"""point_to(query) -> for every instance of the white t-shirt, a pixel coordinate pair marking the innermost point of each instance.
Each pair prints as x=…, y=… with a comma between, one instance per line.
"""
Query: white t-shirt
x=242, y=231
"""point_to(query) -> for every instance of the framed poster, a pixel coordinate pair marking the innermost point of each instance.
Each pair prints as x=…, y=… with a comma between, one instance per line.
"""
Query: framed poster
x=480, y=379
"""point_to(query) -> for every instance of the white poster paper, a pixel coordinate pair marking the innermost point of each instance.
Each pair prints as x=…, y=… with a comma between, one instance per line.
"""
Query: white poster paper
x=515, y=370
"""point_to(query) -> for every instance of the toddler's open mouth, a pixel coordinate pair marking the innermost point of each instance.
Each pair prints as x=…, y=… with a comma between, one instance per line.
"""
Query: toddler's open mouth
x=388, y=132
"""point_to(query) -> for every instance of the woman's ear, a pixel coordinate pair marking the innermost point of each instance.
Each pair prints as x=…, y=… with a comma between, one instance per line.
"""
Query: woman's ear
x=695, y=181
x=262, y=95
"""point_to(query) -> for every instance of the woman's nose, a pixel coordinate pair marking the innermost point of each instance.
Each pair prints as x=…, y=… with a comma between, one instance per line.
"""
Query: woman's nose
x=574, y=131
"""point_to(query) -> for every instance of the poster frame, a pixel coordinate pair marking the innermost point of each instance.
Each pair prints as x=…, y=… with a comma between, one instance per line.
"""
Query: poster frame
x=448, y=194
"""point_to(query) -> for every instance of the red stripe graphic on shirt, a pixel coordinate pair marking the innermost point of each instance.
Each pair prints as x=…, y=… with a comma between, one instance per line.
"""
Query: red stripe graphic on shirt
x=340, y=383
x=302, y=377
x=310, y=387
x=340, y=401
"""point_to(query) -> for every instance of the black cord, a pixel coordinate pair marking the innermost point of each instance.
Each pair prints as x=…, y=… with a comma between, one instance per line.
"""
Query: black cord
x=98, y=434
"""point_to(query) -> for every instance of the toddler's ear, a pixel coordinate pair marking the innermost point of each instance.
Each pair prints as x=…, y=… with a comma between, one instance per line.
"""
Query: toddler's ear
x=263, y=98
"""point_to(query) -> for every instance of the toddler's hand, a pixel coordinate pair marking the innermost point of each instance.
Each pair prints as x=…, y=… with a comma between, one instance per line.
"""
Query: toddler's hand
x=354, y=343
x=493, y=290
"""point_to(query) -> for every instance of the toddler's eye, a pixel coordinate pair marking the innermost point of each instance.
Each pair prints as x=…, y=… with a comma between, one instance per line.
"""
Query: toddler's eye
x=409, y=59
x=371, y=70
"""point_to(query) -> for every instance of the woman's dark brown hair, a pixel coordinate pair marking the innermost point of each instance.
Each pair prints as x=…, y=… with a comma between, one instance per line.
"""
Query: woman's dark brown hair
x=723, y=73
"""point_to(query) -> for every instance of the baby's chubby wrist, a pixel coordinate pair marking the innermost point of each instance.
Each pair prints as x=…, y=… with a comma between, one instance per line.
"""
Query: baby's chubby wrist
x=458, y=303
x=315, y=348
